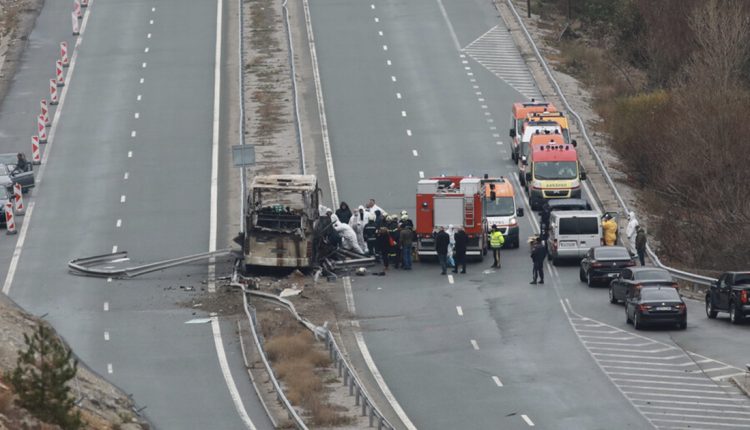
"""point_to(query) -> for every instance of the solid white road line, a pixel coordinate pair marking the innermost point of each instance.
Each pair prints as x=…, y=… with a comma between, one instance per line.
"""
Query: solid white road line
x=17, y=251
x=213, y=210
x=450, y=26
x=497, y=381
x=224, y=365
x=474, y=344
x=459, y=311
x=528, y=420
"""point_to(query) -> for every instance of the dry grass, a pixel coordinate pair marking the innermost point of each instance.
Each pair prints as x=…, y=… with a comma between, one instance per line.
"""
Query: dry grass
x=302, y=367
x=6, y=401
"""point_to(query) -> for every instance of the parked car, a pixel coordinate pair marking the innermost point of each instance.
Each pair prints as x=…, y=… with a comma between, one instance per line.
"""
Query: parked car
x=730, y=294
x=572, y=233
x=603, y=263
x=10, y=175
x=568, y=205
x=5, y=196
x=638, y=277
x=655, y=305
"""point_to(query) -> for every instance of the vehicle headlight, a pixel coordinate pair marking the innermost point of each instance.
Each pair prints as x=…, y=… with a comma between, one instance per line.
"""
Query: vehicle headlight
x=513, y=221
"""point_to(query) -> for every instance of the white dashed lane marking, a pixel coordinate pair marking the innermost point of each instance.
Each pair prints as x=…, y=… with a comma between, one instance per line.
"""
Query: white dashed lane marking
x=106, y=307
x=528, y=420
x=109, y=368
x=139, y=97
x=408, y=132
x=118, y=224
x=415, y=153
x=497, y=381
x=122, y=198
x=114, y=249
x=106, y=335
x=421, y=174
x=136, y=115
x=474, y=344
x=398, y=96
x=459, y=311
x=125, y=176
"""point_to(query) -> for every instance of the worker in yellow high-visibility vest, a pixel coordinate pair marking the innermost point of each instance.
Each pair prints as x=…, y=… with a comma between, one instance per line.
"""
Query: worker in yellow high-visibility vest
x=496, y=242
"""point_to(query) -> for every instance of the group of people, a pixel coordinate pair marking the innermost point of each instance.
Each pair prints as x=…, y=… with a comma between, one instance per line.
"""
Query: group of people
x=370, y=230
x=450, y=246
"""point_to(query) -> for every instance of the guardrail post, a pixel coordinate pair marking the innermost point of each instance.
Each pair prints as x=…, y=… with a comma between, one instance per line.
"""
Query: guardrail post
x=356, y=398
x=351, y=386
x=346, y=376
x=340, y=368
x=372, y=416
x=364, y=408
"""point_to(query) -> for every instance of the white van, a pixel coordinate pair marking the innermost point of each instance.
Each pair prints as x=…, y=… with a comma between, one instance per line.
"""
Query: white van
x=572, y=233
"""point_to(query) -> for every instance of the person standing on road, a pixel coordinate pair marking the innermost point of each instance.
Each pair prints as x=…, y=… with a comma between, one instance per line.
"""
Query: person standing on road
x=358, y=222
x=384, y=245
x=343, y=212
x=609, y=226
x=538, y=254
x=451, y=245
x=406, y=239
x=461, y=240
x=496, y=242
x=640, y=244
x=631, y=232
x=441, y=247
x=544, y=216
x=369, y=232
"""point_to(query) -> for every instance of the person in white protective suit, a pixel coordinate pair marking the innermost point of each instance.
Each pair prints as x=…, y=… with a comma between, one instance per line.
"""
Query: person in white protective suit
x=451, y=245
x=348, y=236
x=358, y=222
x=631, y=231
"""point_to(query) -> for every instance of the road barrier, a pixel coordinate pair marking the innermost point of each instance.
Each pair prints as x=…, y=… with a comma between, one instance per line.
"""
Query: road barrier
x=59, y=74
x=679, y=274
x=36, y=156
x=76, y=27
x=64, y=54
x=44, y=111
x=77, y=9
x=18, y=197
x=41, y=129
x=10, y=220
x=53, y=97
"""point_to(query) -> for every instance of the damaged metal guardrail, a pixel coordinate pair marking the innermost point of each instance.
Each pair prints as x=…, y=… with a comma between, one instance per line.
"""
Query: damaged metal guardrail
x=107, y=265
x=680, y=274
x=356, y=388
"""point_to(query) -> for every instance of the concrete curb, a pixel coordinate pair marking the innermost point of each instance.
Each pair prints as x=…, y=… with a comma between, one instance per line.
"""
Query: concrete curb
x=743, y=384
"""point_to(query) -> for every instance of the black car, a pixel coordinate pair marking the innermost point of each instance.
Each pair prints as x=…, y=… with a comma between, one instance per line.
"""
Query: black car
x=568, y=205
x=655, y=305
x=638, y=277
x=730, y=293
x=603, y=263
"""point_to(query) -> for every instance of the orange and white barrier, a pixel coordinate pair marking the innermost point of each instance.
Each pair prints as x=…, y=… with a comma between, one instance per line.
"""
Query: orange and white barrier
x=77, y=9
x=41, y=129
x=44, y=111
x=84, y=3
x=76, y=27
x=64, y=54
x=53, y=97
x=18, y=197
x=36, y=154
x=59, y=75
x=10, y=220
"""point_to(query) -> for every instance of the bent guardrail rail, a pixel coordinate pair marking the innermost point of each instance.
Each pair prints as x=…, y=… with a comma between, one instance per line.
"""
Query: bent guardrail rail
x=349, y=378
x=680, y=274
x=90, y=266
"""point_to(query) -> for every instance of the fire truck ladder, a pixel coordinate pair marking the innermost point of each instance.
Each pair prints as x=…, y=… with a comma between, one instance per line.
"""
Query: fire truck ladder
x=469, y=220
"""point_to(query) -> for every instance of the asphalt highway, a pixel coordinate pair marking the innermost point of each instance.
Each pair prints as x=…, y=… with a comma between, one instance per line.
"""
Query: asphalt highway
x=130, y=169
x=405, y=100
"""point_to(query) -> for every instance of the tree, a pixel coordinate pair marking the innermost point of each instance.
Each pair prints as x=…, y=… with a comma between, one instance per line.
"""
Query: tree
x=41, y=376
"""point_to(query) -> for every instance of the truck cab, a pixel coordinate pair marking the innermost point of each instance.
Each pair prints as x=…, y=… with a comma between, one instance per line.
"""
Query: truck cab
x=553, y=173
x=500, y=209
x=519, y=114
x=730, y=294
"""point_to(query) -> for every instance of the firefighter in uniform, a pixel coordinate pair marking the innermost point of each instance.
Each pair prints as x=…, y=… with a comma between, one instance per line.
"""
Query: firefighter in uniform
x=496, y=242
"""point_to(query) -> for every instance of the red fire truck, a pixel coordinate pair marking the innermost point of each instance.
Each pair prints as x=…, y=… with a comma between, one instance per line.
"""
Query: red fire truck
x=455, y=200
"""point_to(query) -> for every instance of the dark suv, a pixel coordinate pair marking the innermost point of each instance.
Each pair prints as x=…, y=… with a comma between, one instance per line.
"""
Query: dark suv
x=730, y=294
